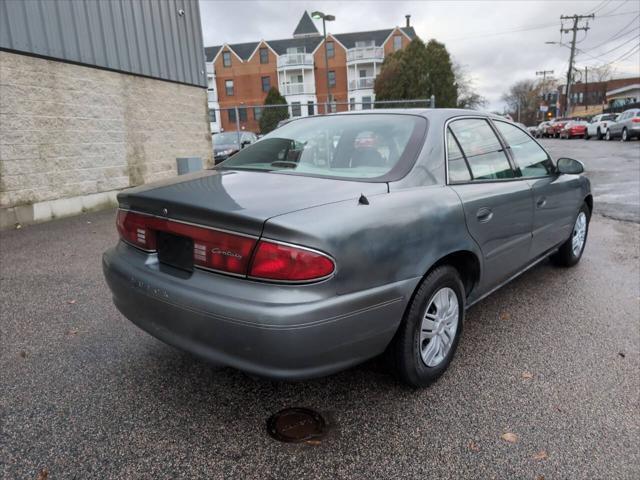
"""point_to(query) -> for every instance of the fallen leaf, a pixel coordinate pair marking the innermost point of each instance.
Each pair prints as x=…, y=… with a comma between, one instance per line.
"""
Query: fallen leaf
x=473, y=446
x=621, y=354
x=557, y=407
x=505, y=316
x=71, y=302
x=540, y=477
x=527, y=375
x=509, y=437
x=73, y=331
x=23, y=354
x=18, y=226
x=88, y=222
x=43, y=474
x=541, y=455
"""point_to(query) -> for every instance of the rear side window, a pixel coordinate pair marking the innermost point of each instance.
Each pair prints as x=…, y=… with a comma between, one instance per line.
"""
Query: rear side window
x=482, y=149
x=532, y=160
x=458, y=170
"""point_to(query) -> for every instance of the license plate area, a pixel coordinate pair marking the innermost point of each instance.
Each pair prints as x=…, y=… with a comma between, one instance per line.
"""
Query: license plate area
x=175, y=250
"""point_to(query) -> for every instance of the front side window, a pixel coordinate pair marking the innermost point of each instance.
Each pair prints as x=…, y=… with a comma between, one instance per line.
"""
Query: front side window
x=332, y=78
x=530, y=158
x=266, y=84
x=226, y=59
x=264, y=55
x=345, y=146
x=296, y=111
x=331, y=52
x=228, y=87
x=482, y=149
x=397, y=43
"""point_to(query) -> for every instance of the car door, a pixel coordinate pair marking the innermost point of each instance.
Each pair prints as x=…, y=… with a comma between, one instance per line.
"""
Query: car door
x=615, y=129
x=498, y=206
x=555, y=197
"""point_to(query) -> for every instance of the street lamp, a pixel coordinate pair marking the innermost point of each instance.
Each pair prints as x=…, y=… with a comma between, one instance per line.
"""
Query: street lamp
x=325, y=18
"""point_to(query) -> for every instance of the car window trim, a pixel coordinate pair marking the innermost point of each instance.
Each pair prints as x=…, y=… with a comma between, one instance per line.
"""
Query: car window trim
x=554, y=172
x=446, y=153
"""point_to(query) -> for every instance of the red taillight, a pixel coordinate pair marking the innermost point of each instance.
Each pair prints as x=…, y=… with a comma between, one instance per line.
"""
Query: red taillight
x=635, y=119
x=134, y=229
x=276, y=261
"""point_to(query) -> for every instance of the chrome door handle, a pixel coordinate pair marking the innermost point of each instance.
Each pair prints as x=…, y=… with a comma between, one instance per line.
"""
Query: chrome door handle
x=484, y=214
x=542, y=201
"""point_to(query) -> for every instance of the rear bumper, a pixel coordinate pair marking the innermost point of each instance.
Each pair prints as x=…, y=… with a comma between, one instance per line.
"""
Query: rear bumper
x=277, y=331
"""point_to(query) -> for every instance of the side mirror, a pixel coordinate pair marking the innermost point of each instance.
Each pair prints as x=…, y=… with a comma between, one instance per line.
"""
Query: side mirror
x=245, y=143
x=570, y=166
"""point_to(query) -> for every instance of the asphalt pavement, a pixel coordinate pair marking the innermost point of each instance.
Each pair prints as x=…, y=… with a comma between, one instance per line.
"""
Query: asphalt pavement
x=552, y=358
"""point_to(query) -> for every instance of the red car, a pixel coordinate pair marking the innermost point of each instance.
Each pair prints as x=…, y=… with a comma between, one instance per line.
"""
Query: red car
x=556, y=126
x=575, y=128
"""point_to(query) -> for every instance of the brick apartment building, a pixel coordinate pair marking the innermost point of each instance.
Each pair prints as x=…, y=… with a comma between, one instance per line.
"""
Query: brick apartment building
x=240, y=75
x=590, y=98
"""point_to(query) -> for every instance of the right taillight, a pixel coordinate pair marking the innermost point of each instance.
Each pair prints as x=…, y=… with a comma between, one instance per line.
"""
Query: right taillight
x=635, y=119
x=287, y=263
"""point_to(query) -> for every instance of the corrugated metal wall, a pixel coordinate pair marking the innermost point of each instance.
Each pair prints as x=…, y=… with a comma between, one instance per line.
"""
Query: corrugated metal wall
x=146, y=37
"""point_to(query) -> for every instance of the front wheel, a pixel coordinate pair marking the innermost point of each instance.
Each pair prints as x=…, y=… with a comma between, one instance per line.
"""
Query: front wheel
x=607, y=136
x=570, y=252
x=625, y=135
x=428, y=336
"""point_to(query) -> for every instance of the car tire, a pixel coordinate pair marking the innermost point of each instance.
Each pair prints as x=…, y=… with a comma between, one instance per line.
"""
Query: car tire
x=599, y=134
x=625, y=135
x=428, y=336
x=586, y=136
x=570, y=252
x=607, y=136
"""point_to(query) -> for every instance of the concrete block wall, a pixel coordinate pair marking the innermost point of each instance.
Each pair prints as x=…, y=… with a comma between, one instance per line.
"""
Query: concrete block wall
x=73, y=135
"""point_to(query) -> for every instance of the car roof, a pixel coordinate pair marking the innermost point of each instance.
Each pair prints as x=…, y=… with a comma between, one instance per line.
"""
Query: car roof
x=438, y=114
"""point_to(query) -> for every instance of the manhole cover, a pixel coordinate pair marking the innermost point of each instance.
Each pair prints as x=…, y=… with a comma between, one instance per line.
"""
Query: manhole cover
x=295, y=425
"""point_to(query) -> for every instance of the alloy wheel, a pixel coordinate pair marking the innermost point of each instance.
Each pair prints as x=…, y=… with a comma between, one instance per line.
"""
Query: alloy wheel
x=439, y=326
x=579, y=234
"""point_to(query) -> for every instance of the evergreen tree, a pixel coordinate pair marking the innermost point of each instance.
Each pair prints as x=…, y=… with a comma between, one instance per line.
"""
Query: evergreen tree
x=272, y=115
x=417, y=71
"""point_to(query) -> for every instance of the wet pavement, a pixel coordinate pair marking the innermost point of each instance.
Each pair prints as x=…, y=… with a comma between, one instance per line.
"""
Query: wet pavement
x=552, y=358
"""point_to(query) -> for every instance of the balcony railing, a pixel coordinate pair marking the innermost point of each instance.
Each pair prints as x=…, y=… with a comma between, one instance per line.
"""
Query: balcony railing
x=365, y=53
x=294, y=59
x=212, y=96
x=298, y=89
x=363, y=82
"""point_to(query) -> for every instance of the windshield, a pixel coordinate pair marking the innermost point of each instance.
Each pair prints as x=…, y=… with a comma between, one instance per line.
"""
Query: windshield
x=349, y=146
x=225, y=138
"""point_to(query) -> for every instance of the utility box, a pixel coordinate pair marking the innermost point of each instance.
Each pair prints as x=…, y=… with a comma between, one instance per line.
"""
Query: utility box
x=189, y=165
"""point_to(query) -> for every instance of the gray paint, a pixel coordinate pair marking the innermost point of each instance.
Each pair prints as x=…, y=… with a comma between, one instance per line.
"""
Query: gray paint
x=382, y=251
x=141, y=37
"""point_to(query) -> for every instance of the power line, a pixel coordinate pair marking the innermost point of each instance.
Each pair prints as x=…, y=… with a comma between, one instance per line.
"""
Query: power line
x=618, y=14
x=600, y=6
x=505, y=32
x=613, y=49
x=619, y=34
x=576, y=19
x=618, y=7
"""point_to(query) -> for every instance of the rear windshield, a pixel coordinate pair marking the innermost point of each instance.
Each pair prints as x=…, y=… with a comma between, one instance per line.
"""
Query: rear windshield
x=362, y=146
x=225, y=138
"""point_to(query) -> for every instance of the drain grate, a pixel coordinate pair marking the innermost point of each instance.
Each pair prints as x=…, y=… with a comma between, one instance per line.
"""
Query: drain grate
x=296, y=425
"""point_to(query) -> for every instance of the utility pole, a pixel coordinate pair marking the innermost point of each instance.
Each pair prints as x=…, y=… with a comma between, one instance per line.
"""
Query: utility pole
x=586, y=87
x=576, y=19
x=544, y=82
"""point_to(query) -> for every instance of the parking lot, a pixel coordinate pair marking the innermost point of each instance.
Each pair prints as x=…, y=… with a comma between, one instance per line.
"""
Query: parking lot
x=552, y=358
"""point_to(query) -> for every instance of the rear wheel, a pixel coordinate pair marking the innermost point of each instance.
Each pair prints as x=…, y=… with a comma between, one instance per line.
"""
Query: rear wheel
x=428, y=336
x=570, y=252
x=625, y=135
x=586, y=135
x=607, y=136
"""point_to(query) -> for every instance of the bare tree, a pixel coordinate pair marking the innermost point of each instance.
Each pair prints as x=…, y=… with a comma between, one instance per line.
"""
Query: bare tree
x=523, y=97
x=467, y=96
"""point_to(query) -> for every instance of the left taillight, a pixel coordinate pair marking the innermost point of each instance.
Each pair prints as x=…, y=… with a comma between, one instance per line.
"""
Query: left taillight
x=288, y=263
x=135, y=229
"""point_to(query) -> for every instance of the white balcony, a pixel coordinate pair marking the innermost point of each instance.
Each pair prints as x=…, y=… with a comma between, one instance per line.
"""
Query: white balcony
x=300, y=60
x=365, y=54
x=363, y=82
x=298, y=89
x=212, y=96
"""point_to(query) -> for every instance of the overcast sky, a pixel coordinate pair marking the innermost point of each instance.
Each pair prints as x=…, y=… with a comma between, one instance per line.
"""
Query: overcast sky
x=499, y=42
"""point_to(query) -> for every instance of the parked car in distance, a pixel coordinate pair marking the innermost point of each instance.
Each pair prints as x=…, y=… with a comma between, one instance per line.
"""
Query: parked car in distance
x=626, y=127
x=553, y=131
x=573, y=129
x=532, y=130
x=597, y=127
x=226, y=144
x=301, y=255
x=541, y=130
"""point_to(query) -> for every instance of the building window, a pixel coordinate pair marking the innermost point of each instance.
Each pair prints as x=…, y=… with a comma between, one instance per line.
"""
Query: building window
x=296, y=111
x=332, y=78
x=242, y=113
x=366, y=103
x=232, y=115
x=212, y=115
x=397, y=42
x=226, y=59
x=257, y=113
x=331, y=52
x=352, y=103
x=311, y=108
x=210, y=82
x=363, y=73
x=266, y=84
x=228, y=87
x=264, y=55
